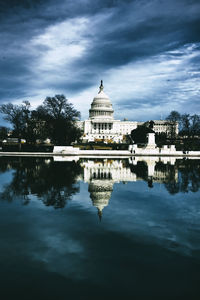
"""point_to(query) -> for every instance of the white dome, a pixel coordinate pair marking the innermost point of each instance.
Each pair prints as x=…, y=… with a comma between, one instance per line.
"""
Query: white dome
x=101, y=107
x=101, y=96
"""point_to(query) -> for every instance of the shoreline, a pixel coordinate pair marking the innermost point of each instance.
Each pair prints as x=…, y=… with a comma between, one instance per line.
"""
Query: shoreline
x=98, y=153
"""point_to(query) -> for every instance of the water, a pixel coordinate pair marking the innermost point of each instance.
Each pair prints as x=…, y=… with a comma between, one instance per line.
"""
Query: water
x=99, y=229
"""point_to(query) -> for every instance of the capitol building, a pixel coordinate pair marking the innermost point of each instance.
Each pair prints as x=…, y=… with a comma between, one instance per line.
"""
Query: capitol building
x=101, y=125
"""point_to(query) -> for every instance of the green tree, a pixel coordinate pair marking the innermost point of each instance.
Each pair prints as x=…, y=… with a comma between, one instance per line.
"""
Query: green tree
x=161, y=139
x=185, y=124
x=174, y=116
x=55, y=118
x=194, y=125
x=139, y=135
x=3, y=132
x=190, y=125
x=172, y=120
x=59, y=118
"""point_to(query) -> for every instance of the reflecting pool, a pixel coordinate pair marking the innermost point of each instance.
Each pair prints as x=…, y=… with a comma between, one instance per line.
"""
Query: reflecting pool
x=99, y=228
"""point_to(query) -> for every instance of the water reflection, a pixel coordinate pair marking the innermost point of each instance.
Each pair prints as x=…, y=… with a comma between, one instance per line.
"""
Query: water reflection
x=55, y=181
x=155, y=169
x=101, y=176
x=176, y=175
x=146, y=247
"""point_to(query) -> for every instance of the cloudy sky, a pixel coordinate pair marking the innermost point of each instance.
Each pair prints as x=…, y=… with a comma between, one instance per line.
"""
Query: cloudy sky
x=146, y=51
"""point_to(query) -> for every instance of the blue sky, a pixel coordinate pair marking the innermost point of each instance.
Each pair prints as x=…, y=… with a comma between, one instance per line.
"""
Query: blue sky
x=147, y=53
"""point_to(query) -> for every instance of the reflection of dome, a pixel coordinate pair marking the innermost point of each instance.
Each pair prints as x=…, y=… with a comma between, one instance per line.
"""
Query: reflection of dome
x=100, y=193
x=101, y=106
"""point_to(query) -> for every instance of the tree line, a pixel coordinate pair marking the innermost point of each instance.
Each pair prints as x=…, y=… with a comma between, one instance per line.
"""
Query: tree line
x=187, y=139
x=189, y=125
x=55, y=119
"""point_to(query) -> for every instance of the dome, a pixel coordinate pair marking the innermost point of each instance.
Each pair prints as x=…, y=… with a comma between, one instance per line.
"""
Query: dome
x=100, y=193
x=101, y=107
x=101, y=96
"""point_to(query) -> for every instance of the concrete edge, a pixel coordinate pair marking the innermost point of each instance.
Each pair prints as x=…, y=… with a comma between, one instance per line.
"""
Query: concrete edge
x=95, y=154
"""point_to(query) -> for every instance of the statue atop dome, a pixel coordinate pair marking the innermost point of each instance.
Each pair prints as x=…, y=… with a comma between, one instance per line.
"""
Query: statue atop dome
x=101, y=87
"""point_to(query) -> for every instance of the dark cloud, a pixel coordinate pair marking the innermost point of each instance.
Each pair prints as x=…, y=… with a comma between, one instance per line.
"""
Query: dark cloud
x=126, y=37
x=118, y=33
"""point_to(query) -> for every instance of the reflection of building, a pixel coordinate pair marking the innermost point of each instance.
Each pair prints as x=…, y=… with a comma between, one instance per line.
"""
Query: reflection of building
x=100, y=193
x=101, y=124
x=107, y=169
x=102, y=174
x=157, y=168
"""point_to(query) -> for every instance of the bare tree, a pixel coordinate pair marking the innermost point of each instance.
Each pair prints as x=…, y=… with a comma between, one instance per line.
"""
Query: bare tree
x=17, y=115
